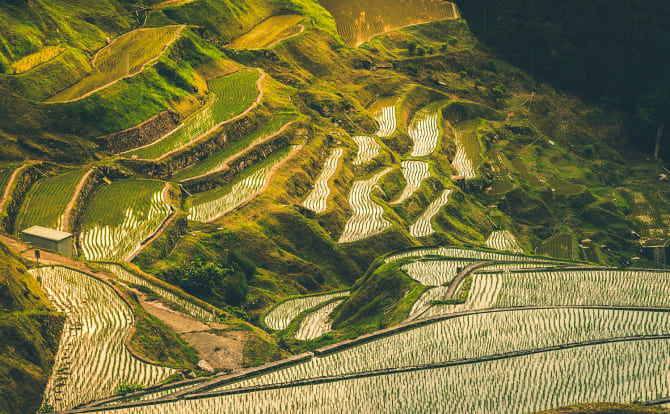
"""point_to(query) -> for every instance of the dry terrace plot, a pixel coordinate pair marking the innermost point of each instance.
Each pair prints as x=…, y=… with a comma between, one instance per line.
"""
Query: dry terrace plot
x=270, y=32
x=359, y=21
x=120, y=217
x=47, y=200
x=126, y=56
x=232, y=95
x=28, y=62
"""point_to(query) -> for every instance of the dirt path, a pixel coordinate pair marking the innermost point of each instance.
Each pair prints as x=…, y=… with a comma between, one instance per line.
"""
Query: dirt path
x=164, y=225
x=65, y=221
x=278, y=41
x=239, y=154
x=259, y=99
x=10, y=183
x=269, y=176
x=107, y=85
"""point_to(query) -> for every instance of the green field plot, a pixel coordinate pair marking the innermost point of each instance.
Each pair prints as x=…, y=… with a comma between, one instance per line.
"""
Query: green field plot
x=270, y=32
x=210, y=205
x=232, y=95
x=651, y=214
x=47, y=199
x=92, y=356
x=125, y=56
x=561, y=245
x=120, y=217
x=5, y=176
x=216, y=160
x=359, y=21
x=28, y=62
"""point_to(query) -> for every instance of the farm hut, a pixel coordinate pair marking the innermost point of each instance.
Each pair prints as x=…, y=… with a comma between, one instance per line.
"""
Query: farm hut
x=48, y=239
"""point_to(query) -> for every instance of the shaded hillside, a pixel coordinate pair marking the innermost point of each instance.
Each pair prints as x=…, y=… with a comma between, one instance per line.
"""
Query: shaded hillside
x=29, y=336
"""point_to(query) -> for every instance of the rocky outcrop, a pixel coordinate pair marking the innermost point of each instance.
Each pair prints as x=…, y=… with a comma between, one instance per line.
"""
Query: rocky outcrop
x=227, y=175
x=145, y=133
x=201, y=149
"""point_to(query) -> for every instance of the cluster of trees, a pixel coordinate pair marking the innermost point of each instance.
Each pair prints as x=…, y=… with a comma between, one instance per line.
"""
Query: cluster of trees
x=226, y=281
x=617, y=51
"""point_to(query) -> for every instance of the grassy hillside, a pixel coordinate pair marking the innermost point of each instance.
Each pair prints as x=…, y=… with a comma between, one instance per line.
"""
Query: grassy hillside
x=29, y=335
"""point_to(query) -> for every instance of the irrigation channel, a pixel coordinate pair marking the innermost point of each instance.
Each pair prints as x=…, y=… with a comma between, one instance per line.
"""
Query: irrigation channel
x=499, y=337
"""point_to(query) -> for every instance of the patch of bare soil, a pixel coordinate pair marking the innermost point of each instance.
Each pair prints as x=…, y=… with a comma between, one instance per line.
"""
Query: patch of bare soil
x=222, y=350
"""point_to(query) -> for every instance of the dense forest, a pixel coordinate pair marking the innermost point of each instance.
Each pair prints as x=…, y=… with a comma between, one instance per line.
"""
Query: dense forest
x=617, y=52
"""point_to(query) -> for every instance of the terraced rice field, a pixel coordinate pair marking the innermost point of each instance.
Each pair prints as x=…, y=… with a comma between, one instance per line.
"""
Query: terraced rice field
x=462, y=254
x=28, y=62
x=653, y=222
x=503, y=240
x=120, y=217
x=217, y=160
x=426, y=299
x=561, y=245
x=415, y=172
x=425, y=133
x=281, y=316
x=92, y=357
x=423, y=226
x=357, y=22
x=367, y=219
x=317, y=323
x=188, y=307
x=467, y=157
x=232, y=95
x=270, y=32
x=386, y=118
x=368, y=148
x=317, y=199
x=473, y=336
x=47, y=200
x=125, y=56
x=435, y=272
x=213, y=204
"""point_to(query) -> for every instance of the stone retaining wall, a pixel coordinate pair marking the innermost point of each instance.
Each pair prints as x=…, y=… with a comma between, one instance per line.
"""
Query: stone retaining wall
x=145, y=133
x=21, y=185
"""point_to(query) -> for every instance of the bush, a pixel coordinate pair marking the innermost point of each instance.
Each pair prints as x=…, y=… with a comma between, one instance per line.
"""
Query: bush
x=420, y=51
x=235, y=289
x=200, y=279
x=411, y=48
x=237, y=262
x=127, y=387
x=499, y=91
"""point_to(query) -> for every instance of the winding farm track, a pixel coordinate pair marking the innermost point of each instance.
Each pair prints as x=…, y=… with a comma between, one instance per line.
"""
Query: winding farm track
x=248, y=149
x=130, y=75
x=259, y=99
x=65, y=220
x=278, y=41
x=10, y=183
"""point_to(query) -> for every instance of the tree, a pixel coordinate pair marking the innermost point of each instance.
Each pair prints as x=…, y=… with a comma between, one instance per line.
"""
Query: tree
x=238, y=262
x=235, y=288
x=199, y=278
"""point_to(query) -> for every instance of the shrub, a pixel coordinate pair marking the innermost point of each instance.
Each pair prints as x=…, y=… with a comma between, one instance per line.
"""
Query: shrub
x=238, y=262
x=127, y=387
x=498, y=91
x=411, y=48
x=200, y=279
x=235, y=289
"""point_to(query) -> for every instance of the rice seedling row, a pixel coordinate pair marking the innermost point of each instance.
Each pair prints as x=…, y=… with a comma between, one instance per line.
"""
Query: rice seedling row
x=426, y=300
x=213, y=204
x=435, y=272
x=217, y=160
x=425, y=133
x=92, y=358
x=503, y=240
x=415, y=172
x=653, y=223
x=368, y=148
x=47, y=200
x=189, y=307
x=423, y=226
x=367, y=219
x=386, y=118
x=317, y=199
x=585, y=287
x=120, y=217
x=281, y=316
x=561, y=245
x=467, y=153
x=269, y=32
x=317, y=323
x=463, y=254
x=125, y=56
x=232, y=95
x=473, y=336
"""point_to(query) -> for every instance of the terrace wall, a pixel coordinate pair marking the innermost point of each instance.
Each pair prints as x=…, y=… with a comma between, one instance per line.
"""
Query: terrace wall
x=145, y=133
x=199, y=150
x=21, y=186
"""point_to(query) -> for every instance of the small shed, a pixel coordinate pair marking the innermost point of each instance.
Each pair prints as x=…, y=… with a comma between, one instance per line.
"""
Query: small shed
x=48, y=239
